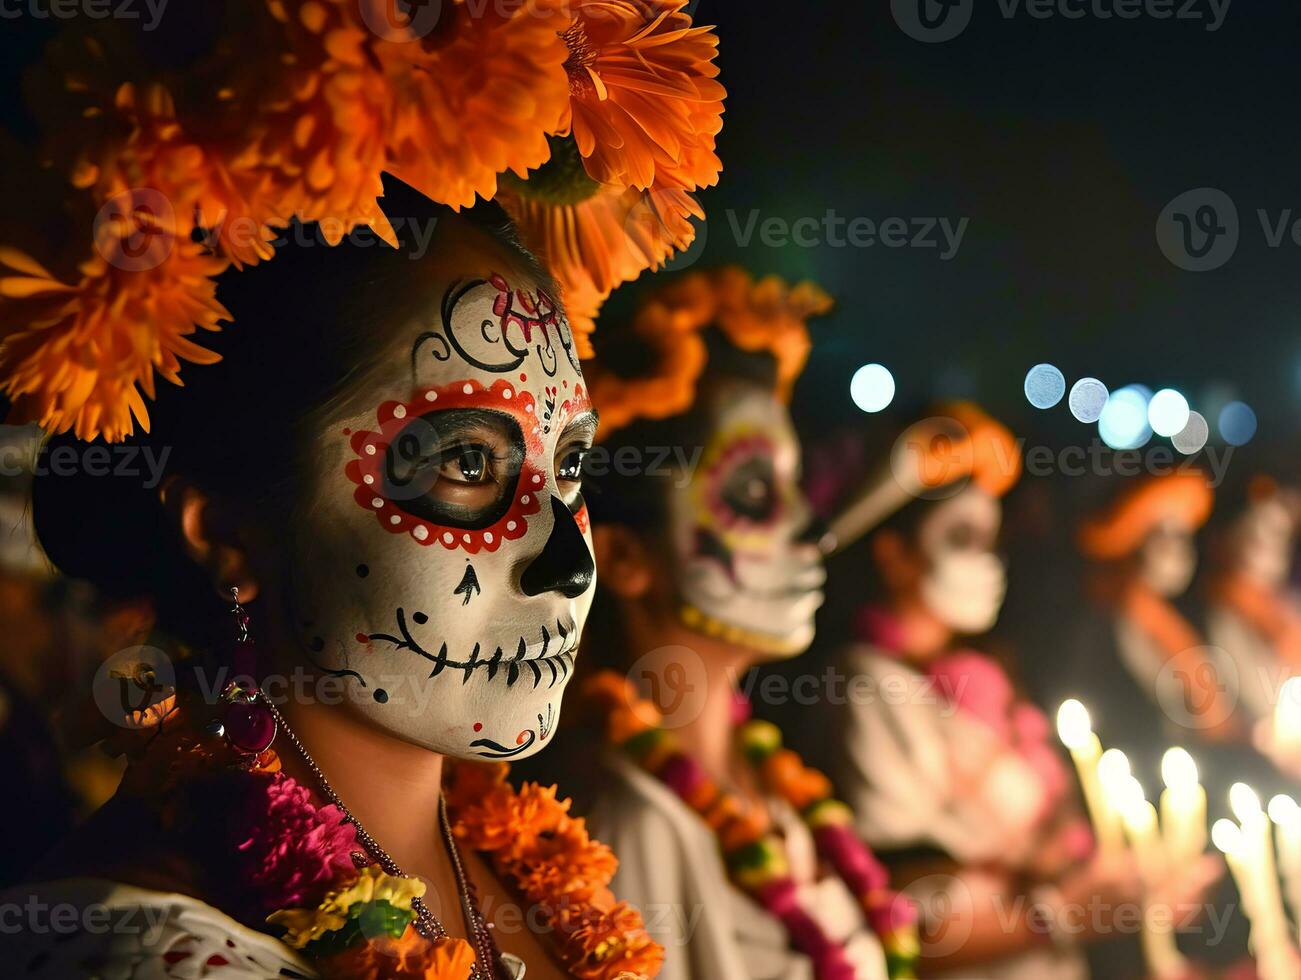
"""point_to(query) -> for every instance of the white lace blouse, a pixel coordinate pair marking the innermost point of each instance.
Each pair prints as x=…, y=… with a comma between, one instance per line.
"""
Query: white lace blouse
x=104, y=930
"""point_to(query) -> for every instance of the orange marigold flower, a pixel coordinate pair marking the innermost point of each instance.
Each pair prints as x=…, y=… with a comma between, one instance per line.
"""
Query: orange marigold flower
x=323, y=129
x=565, y=863
x=645, y=103
x=411, y=957
x=603, y=944
x=85, y=353
x=509, y=820
x=770, y=315
x=475, y=96
x=608, y=238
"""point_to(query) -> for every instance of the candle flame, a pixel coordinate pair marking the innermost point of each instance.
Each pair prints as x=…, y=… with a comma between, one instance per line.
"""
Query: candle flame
x=1114, y=771
x=1226, y=836
x=1283, y=810
x=1244, y=803
x=1073, y=724
x=1178, y=770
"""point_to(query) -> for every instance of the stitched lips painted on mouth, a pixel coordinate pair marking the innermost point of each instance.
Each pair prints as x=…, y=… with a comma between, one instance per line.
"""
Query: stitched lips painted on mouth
x=547, y=655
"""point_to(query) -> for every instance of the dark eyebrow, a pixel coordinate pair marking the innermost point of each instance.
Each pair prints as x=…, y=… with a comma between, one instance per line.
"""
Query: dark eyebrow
x=587, y=422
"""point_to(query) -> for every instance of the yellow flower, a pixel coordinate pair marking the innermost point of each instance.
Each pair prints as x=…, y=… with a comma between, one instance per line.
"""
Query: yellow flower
x=303, y=926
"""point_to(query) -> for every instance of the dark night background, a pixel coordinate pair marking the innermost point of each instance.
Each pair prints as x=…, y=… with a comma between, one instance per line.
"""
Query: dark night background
x=1060, y=140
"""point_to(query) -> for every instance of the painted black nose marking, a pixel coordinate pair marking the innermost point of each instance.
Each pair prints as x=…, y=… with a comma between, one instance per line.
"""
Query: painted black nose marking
x=565, y=564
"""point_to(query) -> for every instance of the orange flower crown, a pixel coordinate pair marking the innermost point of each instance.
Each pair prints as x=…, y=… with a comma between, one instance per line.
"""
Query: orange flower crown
x=1184, y=497
x=590, y=121
x=961, y=441
x=767, y=315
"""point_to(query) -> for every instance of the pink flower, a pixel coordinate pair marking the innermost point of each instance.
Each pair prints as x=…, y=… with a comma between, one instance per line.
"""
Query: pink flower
x=294, y=850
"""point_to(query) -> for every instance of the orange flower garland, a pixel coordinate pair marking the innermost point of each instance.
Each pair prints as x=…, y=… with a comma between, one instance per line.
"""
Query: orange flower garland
x=296, y=113
x=535, y=845
x=767, y=315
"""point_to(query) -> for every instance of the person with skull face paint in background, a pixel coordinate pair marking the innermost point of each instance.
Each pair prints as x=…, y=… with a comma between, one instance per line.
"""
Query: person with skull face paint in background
x=708, y=572
x=381, y=476
x=951, y=773
x=1252, y=612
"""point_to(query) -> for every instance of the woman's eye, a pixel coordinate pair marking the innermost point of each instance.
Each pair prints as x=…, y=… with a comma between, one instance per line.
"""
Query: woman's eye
x=466, y=465
x=571, y=466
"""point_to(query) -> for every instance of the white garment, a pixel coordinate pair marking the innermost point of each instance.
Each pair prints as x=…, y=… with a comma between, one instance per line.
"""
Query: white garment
x=670, y=868
x=903, y=743
x=60, y=930
x=1253, y=663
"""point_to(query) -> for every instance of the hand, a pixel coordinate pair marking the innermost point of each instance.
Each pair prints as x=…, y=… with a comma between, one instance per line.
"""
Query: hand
x=1187, y=887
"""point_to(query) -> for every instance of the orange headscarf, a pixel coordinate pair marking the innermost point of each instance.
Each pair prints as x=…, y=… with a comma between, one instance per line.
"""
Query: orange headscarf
x=1184, y=497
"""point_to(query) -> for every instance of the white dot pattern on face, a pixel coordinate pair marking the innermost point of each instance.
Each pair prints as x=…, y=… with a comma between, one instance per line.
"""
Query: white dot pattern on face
x=507, y=394
x=400, y=412
x=368, y=480
x=395, y=519
x=524, y=499
x=370, y=450
x=537, y=478
x=448, y=537
x=420, y=532
x=468, y=389
x=510, y=525
x=378, y=503
x=431, y=396
x=487, y=536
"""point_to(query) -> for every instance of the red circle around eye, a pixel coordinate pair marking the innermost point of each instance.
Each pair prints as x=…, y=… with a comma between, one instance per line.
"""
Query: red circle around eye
x=371, y=447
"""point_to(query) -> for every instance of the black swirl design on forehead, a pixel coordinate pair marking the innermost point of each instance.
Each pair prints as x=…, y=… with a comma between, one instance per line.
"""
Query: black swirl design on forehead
x=517, y=316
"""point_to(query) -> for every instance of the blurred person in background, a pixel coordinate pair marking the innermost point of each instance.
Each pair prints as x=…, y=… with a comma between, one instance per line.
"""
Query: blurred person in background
x=751, y=866
x=953, y=775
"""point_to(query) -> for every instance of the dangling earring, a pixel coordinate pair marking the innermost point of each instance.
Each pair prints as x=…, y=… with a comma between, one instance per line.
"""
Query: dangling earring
x=248, y=723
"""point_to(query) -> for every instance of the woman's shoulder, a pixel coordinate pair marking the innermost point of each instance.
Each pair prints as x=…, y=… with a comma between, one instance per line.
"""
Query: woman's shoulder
x=97, y=927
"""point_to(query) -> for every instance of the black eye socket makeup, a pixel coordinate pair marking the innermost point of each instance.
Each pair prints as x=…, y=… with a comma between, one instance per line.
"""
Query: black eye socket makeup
x=750, y=490
x=455, y=467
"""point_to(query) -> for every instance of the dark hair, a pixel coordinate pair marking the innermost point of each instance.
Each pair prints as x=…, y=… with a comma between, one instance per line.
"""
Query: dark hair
x=300, y=333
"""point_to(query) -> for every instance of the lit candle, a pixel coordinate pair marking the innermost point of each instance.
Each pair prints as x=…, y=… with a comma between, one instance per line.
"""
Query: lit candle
x=1183, y=807
x=1286, y=816
x=1076, y=732
x=1258, y=885
x=1287, y=718
x=1160, y=950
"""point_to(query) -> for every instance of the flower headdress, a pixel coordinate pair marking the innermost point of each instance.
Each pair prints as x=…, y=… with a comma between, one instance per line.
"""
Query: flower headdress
x=767, y=315
x=591, y=121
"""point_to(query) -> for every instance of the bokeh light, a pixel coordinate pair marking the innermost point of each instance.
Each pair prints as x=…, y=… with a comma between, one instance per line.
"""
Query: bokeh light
x=1088, y=396
x=1044, y=386
x=1167, y=412
x=1123, y=422
x=872, y=387
x=1237, y=424
x=1194, y=436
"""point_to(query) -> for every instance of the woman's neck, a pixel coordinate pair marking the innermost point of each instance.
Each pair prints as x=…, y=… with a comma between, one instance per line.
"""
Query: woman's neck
x=921, y=635
x=392, y=787
x=699, y=707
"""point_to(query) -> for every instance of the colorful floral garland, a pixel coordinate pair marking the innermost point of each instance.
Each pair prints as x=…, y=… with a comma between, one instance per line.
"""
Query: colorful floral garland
x=309, y=879
x=591, y=121
x=755, y=857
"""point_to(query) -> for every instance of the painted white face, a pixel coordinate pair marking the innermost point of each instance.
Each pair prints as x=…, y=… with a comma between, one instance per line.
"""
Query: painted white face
x=1264, y=539
x=1168, y=559
x=965, y=582
x=443, y=563
x=742, y=572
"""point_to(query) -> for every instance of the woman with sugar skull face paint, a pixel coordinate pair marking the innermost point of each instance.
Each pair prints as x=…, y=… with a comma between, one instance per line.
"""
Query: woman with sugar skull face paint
x=708, y=572
x=953, y=776
x=369, y=555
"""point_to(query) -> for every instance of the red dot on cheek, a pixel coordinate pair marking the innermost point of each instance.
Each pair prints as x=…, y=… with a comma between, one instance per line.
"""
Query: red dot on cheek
x=519, y=739
x=523, y=377
x=362, y=638
x=478, y=726
x=347, y=432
